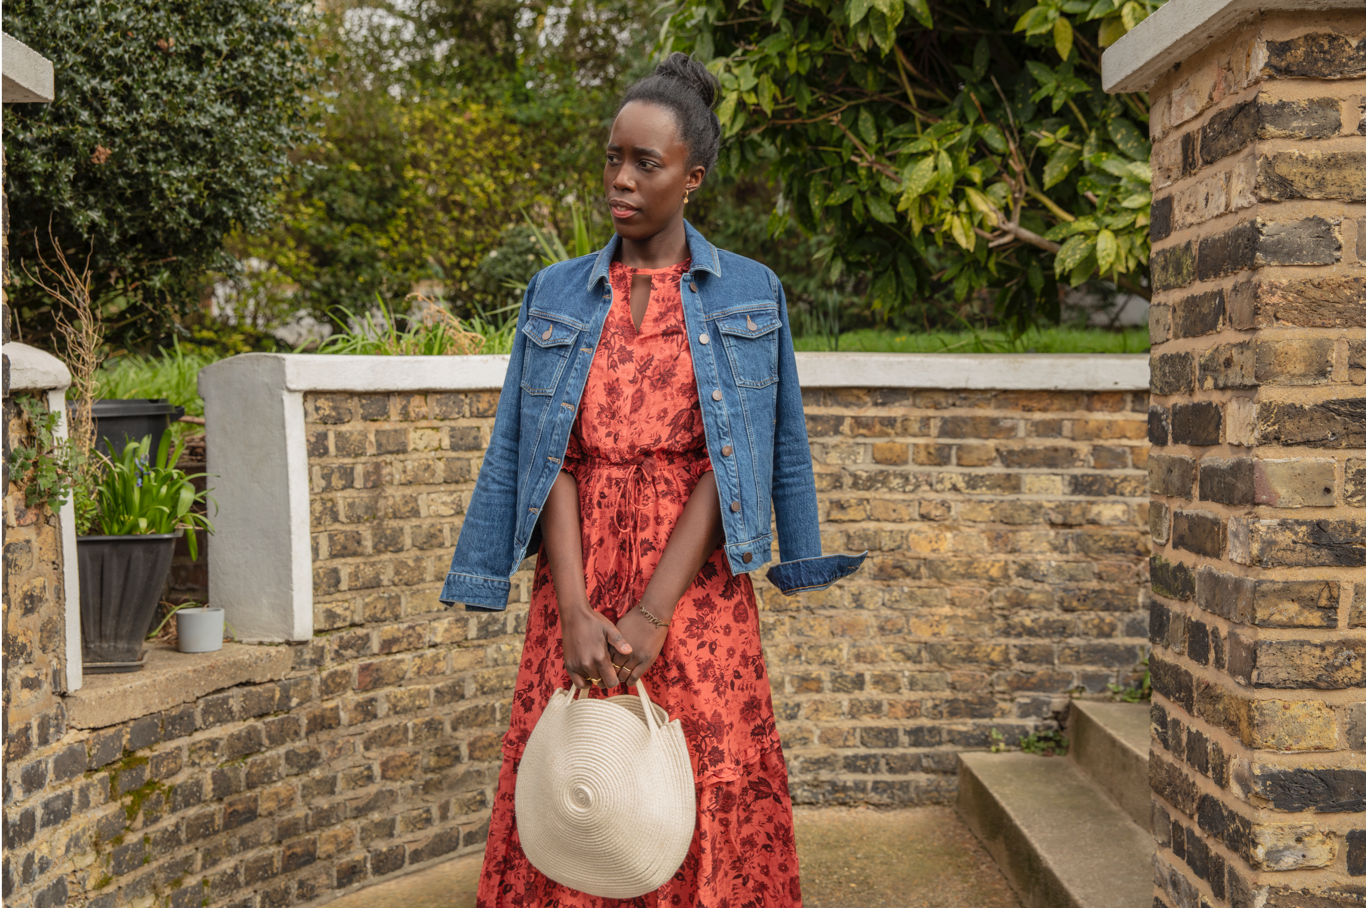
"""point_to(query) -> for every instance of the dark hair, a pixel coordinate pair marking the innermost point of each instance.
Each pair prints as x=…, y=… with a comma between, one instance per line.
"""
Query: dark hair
x=683, y=86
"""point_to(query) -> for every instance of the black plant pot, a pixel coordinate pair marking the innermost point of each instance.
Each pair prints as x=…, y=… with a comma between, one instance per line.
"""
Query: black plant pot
x=121, y=582
x=118, y=422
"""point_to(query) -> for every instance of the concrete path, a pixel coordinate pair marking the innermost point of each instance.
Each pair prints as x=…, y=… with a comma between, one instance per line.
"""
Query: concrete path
x=923, y=857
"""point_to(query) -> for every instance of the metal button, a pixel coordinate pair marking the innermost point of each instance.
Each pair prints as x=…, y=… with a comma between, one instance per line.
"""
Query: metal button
x=546, y=335
x=735, y=506
x=749, y=323
x=716, y=395
x=692, y=285
x=747, y=558
x=727, y=451
x=703, y=339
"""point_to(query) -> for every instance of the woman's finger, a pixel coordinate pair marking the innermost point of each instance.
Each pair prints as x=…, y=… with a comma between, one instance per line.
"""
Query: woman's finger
x=606, y=673
x=618, y=641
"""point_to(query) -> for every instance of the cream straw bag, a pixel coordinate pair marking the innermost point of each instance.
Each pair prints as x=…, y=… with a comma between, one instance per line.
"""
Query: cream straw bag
x=605, y=795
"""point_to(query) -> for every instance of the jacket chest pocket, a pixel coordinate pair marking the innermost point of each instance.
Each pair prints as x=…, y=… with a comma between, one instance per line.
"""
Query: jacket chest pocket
x=751, y=341
x=548, y=343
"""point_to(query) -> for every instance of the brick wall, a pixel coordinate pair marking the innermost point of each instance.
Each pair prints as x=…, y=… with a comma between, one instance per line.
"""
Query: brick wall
x=1258, y=471
x=1008, y=540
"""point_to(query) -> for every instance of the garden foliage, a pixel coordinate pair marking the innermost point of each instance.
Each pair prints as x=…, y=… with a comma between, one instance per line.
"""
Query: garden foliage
x=942, y=149
x=450, y=120
x=171, y=127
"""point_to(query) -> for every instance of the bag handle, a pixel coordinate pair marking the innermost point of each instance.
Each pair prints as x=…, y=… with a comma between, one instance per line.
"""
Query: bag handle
x=645, y=702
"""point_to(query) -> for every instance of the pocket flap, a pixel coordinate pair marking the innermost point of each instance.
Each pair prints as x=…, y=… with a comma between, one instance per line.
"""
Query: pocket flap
x=756, y=323
x=547, y=333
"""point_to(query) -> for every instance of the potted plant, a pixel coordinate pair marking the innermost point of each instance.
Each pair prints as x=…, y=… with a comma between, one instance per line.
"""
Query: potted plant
x=142, y=506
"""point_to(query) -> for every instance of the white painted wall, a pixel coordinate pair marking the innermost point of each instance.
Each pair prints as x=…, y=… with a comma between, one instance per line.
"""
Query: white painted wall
x=260, y=566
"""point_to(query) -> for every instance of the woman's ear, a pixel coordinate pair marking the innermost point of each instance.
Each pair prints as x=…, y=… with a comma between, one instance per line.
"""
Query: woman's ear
x=694, y=179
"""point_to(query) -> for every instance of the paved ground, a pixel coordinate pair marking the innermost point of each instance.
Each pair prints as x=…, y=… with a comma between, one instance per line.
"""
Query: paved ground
x=851, y=858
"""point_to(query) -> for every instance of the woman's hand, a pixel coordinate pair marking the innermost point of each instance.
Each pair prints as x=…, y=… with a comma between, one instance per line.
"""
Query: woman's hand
x=694, y=538
x=586, y=635
x=644, y=641
x=590, y=640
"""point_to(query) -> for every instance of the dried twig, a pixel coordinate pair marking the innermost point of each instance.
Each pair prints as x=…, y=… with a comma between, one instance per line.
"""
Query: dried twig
x=82, y=329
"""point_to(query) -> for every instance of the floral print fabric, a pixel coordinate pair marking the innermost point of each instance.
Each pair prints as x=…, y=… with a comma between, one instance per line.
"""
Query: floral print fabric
x=637, y=452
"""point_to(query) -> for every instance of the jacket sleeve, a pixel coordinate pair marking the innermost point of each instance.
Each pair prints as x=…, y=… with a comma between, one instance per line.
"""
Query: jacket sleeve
x=794, y=487
x=484, y=555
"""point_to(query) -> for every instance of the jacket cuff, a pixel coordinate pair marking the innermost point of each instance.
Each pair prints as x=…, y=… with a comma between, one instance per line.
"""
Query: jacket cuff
x=792, y=577
x=479, y=594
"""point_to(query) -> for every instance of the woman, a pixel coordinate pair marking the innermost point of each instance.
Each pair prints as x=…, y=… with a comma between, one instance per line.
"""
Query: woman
x=651, y=507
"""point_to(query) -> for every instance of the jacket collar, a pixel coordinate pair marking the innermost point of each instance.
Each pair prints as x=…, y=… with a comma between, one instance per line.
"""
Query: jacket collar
x=700, y=250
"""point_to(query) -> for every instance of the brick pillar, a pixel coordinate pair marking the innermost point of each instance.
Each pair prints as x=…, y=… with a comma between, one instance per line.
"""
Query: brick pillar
x=1258, y=465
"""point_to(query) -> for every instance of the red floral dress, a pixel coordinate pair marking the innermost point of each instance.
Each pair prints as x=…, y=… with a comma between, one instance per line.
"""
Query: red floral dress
x=637, y=452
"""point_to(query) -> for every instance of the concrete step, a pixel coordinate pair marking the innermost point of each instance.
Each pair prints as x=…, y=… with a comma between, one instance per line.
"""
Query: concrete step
x=1060, y=842
x=1109, y=742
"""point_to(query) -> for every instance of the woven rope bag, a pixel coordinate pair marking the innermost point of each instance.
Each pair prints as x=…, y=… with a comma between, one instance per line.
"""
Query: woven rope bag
x=605, y=795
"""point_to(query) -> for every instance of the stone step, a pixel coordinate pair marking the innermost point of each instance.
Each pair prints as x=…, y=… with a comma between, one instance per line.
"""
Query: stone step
x=1060, y=842
x=1109, y=742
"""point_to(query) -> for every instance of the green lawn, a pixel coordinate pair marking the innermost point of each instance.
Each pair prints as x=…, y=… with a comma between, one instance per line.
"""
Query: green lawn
x=1047, y=340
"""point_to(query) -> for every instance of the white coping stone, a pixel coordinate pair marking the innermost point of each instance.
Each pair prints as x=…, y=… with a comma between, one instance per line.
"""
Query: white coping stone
x=30, y=369
x=942, y=371
x=1181, y=29
x=27, y=73
x=261, y=571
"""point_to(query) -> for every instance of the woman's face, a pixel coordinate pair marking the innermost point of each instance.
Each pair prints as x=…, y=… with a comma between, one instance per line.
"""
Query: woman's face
x=647, y=171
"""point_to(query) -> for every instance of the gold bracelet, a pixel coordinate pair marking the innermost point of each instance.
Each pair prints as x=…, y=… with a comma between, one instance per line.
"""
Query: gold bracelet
x=651, y=618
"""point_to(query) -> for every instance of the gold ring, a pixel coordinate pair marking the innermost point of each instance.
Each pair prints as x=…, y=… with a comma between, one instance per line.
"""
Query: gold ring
x=594, y=680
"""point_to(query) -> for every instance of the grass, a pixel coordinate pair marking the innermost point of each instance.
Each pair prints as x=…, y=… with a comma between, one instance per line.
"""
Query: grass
x=435, y=333
x=1045, y=340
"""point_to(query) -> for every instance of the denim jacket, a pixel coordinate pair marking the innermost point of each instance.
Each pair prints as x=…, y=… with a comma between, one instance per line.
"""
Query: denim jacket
x=746, y=376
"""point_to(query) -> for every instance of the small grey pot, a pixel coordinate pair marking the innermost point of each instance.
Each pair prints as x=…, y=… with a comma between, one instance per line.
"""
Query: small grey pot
x=199, y=630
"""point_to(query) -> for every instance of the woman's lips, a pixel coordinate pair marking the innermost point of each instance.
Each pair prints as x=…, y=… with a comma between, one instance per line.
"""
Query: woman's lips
x=622, y=211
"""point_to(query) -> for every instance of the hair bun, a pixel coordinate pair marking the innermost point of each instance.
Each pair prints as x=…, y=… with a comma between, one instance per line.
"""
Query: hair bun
x=684, y=68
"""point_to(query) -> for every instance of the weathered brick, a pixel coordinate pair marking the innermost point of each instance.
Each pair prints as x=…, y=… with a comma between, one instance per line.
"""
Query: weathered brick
x=1298, y=483
x=1171, y=475
x=1196, y=315
x=1160, y=223
x=1302, y=361
x=1310, y=241
x=1199, y=423
x=1354, y=492
x=1305, y=543
x=1321, y=789
x=1159, y=425
x=1172, y=267
x=1228, y=252
x=1316, y=55
x=1198, y=532
x=1339, y=423
x=1172, y=373
x=1295, y=664
x=1317, y=118
x=1228, y=131
x=1312, y=175
x=1228, y=366
x=1226, y=481
x=1318, y=302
